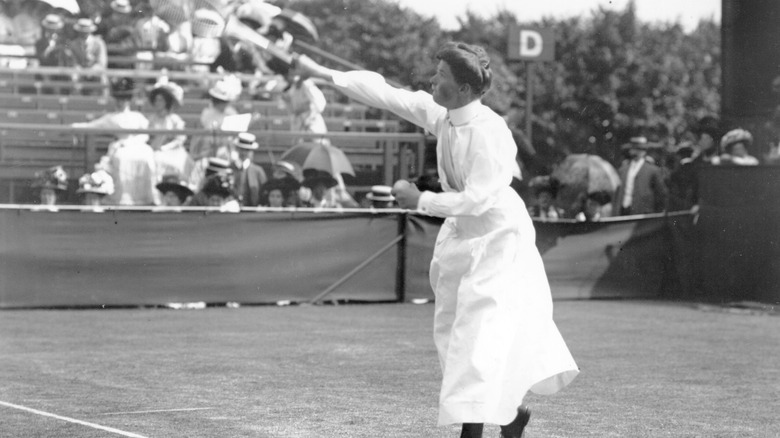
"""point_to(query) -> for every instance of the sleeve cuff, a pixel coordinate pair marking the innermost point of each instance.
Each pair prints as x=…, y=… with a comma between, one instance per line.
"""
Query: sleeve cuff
x=424, y=203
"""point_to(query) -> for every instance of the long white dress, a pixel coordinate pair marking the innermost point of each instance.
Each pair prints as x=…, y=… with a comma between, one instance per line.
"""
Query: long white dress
x=493, y=325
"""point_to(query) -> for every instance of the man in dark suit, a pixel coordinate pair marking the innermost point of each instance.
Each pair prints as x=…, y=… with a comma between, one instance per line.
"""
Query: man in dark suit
x=249, y=177
x=642, y=189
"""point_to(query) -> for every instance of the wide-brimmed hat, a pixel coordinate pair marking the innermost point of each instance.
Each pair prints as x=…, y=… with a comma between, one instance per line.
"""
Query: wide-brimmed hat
x=226, y=89
x=172, y=183
x=246, y=140
x=121, y=6
x=99, y=182
x=293, y=170
x=84, y=25
x=52, y=22
x=380, y=194
x=313, y=177
x=163, y=85
x=735, y=136
x=122, y=88
x=542, y=183
x=52, y=178
x=218, y=184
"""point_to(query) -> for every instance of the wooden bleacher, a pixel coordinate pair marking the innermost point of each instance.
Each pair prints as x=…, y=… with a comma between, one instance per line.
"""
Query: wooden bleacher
x=35, y=131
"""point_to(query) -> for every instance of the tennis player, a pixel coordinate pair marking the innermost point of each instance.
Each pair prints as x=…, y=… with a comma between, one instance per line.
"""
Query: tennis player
x=493, y=324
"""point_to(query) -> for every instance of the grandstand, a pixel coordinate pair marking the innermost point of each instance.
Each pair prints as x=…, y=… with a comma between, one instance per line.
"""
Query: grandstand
x=36, y=112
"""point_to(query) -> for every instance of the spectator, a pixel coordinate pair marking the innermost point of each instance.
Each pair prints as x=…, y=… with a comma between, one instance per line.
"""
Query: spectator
x=52, y=50
x=25, y=20
x=321, y=184
x=642, y=188
x=152, y=36
x=249, y=177
x=119, y=32
x=735, y=146
x=175, y=191
x=94, y=187
x=130, y=159
x=380, y=197
x=543, y=206
x=595, y=205
x=89, y=51
x=305, y=102
x=290, y=175
x=277, y=194
x=222, y=94
x=203, y=170
x=170, y=154
x=52, y=184
x=179, y=40
x=219, y=192
x=703, y=151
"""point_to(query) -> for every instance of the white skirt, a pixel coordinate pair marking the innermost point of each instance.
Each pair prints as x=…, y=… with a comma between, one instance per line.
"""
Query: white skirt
x=493, y=325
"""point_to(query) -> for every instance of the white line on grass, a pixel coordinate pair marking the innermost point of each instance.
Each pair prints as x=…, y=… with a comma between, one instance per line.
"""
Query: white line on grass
x=72, y=420
x=157, y=411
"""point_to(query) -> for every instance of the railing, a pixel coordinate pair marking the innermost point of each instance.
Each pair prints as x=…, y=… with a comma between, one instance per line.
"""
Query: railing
x=25, y=148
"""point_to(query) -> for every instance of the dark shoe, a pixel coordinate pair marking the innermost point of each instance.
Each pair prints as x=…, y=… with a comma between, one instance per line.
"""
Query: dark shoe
x=472, y=430
x=515, y=428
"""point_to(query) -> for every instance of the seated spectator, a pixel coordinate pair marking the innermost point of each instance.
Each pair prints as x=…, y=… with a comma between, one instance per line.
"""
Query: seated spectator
x=543, y=191
x=175, y=191
x=322, y=185
x=26, y=22
x=169, y=151
x=277, y=194
x=381, y=197
x=291, y=175
x=119, y=32
x=735, y=146
x=249, y=177
x=89, y=51
x=305, y=102
x=52, y=185
x=94, y=187
x=152, y=32
x=595, y=205
x=52, y=51
x=219, y=192
x=222, y=94
x=203, y=170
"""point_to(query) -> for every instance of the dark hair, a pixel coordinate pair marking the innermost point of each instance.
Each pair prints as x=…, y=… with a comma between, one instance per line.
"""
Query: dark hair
x=166, y=95
x=469, y=64
x=708, y=125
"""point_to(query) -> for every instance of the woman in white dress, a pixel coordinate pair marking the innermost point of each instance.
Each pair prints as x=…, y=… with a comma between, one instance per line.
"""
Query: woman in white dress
x=493, y=325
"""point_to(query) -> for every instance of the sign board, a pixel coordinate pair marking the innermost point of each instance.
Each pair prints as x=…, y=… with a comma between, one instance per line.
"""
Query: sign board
x=531, y=44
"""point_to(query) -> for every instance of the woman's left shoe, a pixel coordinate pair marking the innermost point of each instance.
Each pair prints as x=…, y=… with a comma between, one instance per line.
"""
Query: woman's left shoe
x=515, y=428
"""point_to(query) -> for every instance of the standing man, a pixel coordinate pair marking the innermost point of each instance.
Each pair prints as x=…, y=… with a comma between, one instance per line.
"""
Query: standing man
x=493, y=325
x=250, y=177
x=642, y=189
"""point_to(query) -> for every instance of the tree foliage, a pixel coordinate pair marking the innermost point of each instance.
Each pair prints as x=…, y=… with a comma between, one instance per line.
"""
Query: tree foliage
x=614, y=76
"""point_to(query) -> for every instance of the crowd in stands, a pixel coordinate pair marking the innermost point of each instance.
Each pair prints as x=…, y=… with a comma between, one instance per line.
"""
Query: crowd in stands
x=655, y=177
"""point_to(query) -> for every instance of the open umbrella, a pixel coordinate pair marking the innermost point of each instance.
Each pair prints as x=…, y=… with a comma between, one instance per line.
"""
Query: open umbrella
x=298, y=25
x=71, y=6
x=581, y=174
x=319, y=156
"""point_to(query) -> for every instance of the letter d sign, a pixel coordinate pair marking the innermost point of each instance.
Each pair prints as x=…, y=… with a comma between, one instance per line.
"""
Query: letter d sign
x=530, y=44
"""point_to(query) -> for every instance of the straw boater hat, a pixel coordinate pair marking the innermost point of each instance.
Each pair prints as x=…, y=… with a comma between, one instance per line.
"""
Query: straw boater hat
x=172, y=183
x=99, y=182
x=52, y=178
x=121, y=6
x=52, y=22
x=246, y=140
x=84, y=25
x=380, y=194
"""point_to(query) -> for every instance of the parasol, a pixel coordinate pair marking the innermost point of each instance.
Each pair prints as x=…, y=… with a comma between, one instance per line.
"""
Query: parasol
x=298, y=25
x=319, y=156
x=71, y=6
x=581, y=174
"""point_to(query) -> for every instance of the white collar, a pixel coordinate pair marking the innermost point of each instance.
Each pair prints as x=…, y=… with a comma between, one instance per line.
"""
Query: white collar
x=461, y=116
